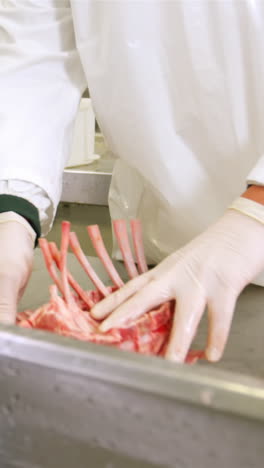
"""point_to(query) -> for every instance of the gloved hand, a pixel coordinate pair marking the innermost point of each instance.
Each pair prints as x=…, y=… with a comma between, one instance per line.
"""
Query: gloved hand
x=210, y=271
x=17, y=240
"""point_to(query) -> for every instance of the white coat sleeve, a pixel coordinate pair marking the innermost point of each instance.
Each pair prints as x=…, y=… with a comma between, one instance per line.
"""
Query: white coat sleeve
x=35, y=195
x=256, y=175
x=41, y=83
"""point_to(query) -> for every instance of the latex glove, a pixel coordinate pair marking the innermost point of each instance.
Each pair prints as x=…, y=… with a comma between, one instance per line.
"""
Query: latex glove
x=210, y=271
x=17, y=240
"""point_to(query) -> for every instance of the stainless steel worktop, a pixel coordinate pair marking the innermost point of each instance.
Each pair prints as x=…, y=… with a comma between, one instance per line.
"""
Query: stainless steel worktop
x=69, y=404
x=89, y=184
x=85, y=187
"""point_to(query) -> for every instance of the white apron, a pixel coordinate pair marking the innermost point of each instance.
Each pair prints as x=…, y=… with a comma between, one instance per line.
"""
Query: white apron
x=178, y=88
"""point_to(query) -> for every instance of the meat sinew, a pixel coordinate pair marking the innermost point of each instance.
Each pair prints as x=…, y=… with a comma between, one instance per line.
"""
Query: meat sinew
x=68, y=311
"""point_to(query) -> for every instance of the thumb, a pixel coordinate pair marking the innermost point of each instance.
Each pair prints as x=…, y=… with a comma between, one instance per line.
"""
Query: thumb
x=220, y=314
x=8, y=300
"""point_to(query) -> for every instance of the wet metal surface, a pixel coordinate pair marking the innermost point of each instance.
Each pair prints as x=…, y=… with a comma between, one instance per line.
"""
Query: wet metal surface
x=89, y=184
x=81, y=216
x=48, y=416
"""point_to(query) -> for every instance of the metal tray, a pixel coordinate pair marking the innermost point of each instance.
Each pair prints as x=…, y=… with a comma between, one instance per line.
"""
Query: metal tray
x=71, y=405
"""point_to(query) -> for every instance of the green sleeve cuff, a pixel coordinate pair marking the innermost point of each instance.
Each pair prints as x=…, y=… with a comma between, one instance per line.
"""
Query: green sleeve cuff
x=24, y=208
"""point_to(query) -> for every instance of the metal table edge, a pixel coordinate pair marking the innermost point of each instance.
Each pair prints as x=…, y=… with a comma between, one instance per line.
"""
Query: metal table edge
x=212, y=388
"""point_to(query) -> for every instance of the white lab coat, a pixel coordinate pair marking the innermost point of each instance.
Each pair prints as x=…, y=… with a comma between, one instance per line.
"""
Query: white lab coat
x=178, y=90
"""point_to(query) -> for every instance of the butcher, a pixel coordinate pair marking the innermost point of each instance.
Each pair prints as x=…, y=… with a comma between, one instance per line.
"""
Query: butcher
x=178, y=90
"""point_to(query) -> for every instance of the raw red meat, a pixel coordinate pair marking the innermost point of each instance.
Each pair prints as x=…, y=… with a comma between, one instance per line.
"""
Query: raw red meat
x=68, y=314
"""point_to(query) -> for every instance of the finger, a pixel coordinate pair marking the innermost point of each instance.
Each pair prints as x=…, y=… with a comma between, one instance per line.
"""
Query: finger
x=22, y=291
x=188, y=313
x=111, y=302
x=8, y=312
x=220, y=314
x=24, y=285
x=152, y=295
x=8, y=301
